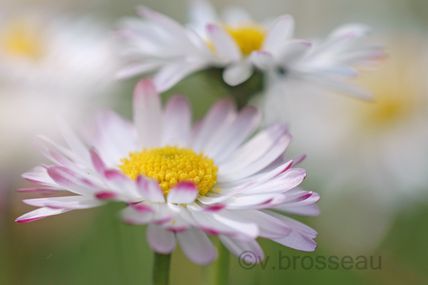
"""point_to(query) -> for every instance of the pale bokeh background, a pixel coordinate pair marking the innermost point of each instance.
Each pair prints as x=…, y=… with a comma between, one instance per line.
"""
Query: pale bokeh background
x=358, y=217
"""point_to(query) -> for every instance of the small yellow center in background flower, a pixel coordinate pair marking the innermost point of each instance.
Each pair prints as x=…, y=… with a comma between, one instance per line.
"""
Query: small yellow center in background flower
x=387, y=110
x=248, y=38
x=170, y=165
x=20, y=39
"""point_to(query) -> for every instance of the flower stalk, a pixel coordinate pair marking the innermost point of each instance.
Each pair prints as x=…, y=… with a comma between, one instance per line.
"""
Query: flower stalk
x=161, y=264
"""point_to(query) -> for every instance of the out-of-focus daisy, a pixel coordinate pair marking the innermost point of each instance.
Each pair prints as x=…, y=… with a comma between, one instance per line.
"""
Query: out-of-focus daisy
x=184, y=182
x=329, y=64
x=377, y=150
x=49, y=51
x=49, y=65
x=159, y=43
x=240, y=45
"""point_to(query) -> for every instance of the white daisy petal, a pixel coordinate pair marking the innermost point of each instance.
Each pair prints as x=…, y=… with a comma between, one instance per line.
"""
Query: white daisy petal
x=66, y=203
x=183, y=182
x=170, y=74
x=278, y=35
x=234, y=134
x=150, y=190
x=226, y=49
x=177, y=120
x=238, y=247
x=218, y=114
x=197, y=247
x=39, y=214
x=160, y=240
x=262, y=60
x=147, y=113
x=183, y=193
x=237, y=73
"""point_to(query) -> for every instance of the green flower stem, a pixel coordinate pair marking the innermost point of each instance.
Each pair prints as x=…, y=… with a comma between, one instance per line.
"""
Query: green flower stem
x=161, y=264
x=223, y=265
x=218, y=272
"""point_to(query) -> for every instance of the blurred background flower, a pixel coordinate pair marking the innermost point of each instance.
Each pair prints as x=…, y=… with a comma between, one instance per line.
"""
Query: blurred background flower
x=368, y=160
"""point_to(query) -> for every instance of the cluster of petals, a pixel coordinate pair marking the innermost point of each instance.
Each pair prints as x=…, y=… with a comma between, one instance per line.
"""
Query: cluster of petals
x=159, y=44
x=256, y=185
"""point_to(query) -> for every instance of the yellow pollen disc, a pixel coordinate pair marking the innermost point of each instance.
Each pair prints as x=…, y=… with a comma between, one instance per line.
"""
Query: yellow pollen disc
x=248, y=38
x=387, y=110
x=20, y=40
x=396, y=95
x=170, y=165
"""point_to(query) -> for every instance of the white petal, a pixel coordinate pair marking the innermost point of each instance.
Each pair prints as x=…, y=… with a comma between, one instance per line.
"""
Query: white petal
x=292, y=52
x=255, y=155
x=281, y=31
x=197, y=247
x=306, y=210
x=262, y=59
x=250, y=250
x=39, y=214
x=172, y=73
x=183, y=193
x=136, y=69
x=160, y=240
x=68, y=203
x=147, y=114
x=133, y=216
x=222, y=111
x=97, y=162
x=225, y=47
x=201, y=12
x=150, y=190
x=177, y=121
x=269, y=226
x=339, y=86
x=237, y=73
x=282, y=183
x=176, y=31
x=112, y=137
x=297, y=241
x=249, y=229
x=74, y=142
x=234, y=134
x=356, y=30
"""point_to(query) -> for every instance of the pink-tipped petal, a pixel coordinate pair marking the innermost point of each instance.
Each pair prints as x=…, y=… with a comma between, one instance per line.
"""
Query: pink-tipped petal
x=105, y=195
x=160, y=240
x=39, y=214
x=147, y=113
x=183, y=193
x=197, y=246
x=177, y=122
x=150, y=190
x=97, y=162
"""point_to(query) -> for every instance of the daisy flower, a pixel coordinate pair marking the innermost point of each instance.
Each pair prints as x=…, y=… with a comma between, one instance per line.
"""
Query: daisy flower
x=329, y=64
x=376, y=150
x=240, y=46
x=159, y=43
x=186, y=182
x=48, y=66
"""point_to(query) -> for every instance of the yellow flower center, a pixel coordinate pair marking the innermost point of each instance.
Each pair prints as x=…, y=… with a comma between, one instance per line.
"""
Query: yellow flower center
x=387, y=110
x=248, y=38
x=170, y=165
x=20, y=39
x=395, y=99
